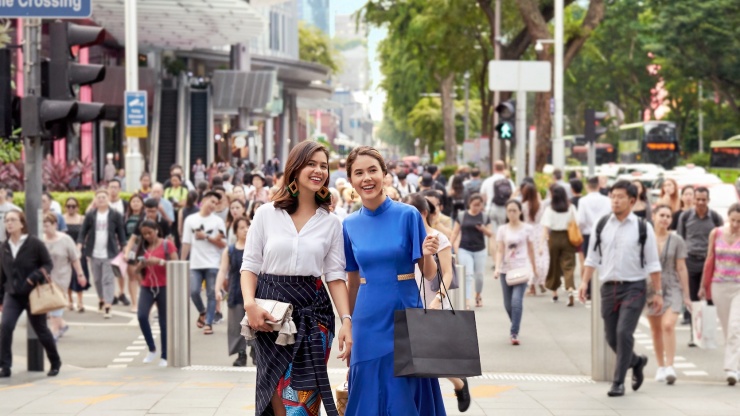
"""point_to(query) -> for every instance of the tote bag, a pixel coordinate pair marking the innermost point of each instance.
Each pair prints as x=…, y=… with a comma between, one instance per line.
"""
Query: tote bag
x=574, y=233
x=46, y=297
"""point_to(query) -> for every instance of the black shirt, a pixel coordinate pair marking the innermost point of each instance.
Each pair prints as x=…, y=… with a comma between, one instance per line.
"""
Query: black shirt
x=471, y=239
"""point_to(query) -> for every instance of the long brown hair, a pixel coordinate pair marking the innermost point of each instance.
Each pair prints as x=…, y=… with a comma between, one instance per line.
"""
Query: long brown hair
x=675, y=200
x=364, y=151
x=529, y=196
x=298, y=159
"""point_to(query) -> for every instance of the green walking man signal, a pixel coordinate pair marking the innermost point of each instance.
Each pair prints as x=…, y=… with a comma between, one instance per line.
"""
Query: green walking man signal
x=506, y=131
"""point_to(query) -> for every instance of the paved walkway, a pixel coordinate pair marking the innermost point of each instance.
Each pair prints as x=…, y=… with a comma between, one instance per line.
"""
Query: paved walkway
x=229, y=391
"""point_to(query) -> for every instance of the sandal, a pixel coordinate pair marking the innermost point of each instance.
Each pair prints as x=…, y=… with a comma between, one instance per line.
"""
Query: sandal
x=208, y=330
x=201, y=321
x=478, y=302
x=81, y=309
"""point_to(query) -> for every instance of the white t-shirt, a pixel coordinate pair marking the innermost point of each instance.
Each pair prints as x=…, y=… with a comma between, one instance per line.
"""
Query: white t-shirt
x=558, y=221
x=444, y=243
x=100, y=249
x=203, y=254
x=117, y=206
x=516, y=249
x=487, y=188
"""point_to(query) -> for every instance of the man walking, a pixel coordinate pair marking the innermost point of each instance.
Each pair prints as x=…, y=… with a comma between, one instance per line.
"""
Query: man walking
x=626, y=253
x=206, y=233
x=694, y=226
x=496, y=190
x=591, y=208
x=341, y=172
x=101, y=238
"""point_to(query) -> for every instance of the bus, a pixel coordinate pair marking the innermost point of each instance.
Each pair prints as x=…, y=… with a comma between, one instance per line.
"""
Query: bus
x=576, y=147
x=725, y=153
x=649, y=142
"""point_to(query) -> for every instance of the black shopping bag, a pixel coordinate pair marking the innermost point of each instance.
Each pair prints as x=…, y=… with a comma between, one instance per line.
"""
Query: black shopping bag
x=435, y=344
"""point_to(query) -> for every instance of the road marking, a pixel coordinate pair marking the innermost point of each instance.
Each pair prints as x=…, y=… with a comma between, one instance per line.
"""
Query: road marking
x=20, y=386
x=485, y=392
x=684, y=365
x=135, y=348
x=122, y=360
x=129, y=354
x=679, y=362
x=117, y=366
x=139, y=342
x=697, y=373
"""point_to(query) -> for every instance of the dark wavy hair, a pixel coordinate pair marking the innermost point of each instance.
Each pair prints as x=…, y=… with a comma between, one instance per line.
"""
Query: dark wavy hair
x=418, y=201
x=559, y=197
x=298, y=159
x=530, y=196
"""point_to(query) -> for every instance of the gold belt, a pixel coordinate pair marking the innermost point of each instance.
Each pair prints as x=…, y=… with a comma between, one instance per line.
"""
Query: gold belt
x=401, y=277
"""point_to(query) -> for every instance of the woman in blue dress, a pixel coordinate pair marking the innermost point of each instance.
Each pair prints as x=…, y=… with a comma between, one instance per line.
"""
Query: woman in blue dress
x=383, y=241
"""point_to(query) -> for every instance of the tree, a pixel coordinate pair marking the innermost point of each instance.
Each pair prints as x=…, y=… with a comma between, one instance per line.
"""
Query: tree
x=314, y=46
x=425, y=121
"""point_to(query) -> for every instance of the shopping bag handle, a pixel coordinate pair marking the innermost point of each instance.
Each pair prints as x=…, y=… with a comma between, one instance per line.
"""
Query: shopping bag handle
x=441, y=286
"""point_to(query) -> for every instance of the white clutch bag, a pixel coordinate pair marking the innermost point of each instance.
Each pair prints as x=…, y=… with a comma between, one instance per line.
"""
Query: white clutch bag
x=283, y=312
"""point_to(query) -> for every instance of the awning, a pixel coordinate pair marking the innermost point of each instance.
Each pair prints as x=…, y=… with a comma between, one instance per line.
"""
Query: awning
x=317, y=104
x=254, y=90
x=183, y=24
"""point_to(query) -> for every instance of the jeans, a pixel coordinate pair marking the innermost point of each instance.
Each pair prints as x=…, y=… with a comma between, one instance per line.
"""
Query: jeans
x=147, y=297
x=13, y=306
x=475, y=264
x=513, y=302
x=197, y=276
x=621, y=306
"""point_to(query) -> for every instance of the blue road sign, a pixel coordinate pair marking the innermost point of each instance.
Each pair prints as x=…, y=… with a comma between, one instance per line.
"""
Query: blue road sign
x=48, y=9
x=136, y=113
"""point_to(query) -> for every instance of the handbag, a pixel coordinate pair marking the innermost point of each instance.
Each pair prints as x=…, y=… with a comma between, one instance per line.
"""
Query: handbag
x=454, y=284
x=283, y=312
x=574, y=233
x=433, y=343
x=519, y=275
x=46, y=297
x=704, y=324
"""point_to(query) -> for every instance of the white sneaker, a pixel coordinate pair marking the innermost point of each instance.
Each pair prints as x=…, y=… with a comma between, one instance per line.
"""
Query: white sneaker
x=670, y=375
x=163, y=363
x=660, y=375
x=731, y=377
x=150, y=356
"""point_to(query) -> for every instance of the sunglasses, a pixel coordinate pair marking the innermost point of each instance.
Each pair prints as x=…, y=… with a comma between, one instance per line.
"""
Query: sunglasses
x=71, y=206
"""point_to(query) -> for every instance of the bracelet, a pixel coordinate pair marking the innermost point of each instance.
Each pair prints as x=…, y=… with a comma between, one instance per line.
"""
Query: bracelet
x=439, y=292
x=346, y=317
x=439, y=298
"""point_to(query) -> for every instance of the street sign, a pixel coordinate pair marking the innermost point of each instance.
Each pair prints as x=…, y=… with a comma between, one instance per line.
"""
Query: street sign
x=136, y=114
x=47, y=9
x=519, y=76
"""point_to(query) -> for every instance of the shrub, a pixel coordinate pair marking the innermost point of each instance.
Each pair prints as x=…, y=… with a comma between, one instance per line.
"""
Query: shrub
x=449, y=171
x=84, y=197
x=699, y=159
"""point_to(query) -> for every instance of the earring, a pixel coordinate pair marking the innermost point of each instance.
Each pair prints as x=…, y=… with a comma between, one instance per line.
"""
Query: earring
x=352, y=195
x=293, y=189
x=323, y=195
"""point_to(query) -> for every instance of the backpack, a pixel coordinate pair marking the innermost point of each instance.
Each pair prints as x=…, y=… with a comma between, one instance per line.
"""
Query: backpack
x=641, y=239
x=715, y=219
x=501, y=192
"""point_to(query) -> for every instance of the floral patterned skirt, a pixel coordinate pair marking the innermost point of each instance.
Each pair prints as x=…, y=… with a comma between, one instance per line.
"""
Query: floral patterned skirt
x=541, y=255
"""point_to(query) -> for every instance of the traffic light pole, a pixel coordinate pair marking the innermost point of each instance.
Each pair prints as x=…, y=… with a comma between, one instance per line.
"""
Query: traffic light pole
x=521, y=135
x=33, y=151
x=134, y=159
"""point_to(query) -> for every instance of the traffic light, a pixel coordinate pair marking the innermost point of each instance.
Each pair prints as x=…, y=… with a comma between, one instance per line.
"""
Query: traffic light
x=506, y=126
x=595, y=124
x=60, y=74
x=8, y=120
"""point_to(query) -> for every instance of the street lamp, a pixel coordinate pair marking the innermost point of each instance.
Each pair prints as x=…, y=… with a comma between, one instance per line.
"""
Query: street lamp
x=467, y=100
x=538, y=46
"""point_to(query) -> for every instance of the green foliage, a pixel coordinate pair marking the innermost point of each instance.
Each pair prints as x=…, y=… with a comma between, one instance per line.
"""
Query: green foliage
x=449, y=171
x=542, y=182
x=10, y=151
x=698, y=159
x=425, y=121
x=174, y=66
x=315, y=46
x=85, y=198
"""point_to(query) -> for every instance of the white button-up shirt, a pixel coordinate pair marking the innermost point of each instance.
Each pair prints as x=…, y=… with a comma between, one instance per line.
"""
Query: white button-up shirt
x=15, y=248
x=591, y=208
x=275, y=247
x=620, y=251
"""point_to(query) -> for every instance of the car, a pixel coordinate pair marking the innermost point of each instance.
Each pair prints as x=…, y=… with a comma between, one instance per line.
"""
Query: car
x=721, y=197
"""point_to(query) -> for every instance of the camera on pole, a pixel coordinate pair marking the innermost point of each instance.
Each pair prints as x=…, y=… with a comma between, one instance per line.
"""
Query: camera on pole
x=506, y=127
x=595, y=125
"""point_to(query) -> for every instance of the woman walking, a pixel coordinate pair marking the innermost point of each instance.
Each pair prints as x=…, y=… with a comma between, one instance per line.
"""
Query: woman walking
x=669, y=195
x=555, y=220
x=457, y=196
x=293, y=241
x=64, y=256
x=228, y=278
x=642, y=206
x=25, y=261
x=384, y=241
x=469, y=238
x=237, y=209
x=675, y=287
x=687, y=203
x=157, y=251
x=515, y=251
x=439, y=299
x=724, y=248
x=74, y=224
x=533, y=209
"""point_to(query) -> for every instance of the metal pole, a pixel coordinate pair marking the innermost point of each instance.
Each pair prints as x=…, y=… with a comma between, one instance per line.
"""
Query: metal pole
x=134, y=159
x=532, y=150
x=701, y=119
x=591, y=159
x=467, y=105
x=178, y=314
x=496, y=144
x=459, y=295
x=521, y=135
x=603, y=359
x=32, y=168
x=558, y=149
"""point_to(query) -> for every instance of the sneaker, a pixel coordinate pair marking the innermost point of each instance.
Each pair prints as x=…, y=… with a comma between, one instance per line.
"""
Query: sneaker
x=218, y=318
x=241, y=360
x=100, y=306
x=543, y=290
x=107, y=314
x=162, y=363
x=670, y=375
x=150, y=356
x=463, y=396
x=554, y=299
x=660, y=375
x=571, y=299
x=124, y=300
x=514, y=339
x=115, y=301
x=731, y=377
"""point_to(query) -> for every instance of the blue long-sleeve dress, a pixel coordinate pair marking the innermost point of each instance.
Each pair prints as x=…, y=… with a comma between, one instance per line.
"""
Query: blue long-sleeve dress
x=384, y=245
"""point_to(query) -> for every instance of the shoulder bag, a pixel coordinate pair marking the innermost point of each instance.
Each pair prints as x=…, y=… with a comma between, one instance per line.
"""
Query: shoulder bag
x=46, y=297
x=574, y=233
x=283, y=312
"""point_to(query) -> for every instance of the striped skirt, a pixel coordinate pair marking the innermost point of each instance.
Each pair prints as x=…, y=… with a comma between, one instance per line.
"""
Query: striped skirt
x=296, y=372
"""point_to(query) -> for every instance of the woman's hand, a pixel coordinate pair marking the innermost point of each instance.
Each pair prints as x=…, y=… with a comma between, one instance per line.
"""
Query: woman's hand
x=257, y=317
x=435, y=304
x=702, y=293
x=687, y=301
x=81, y=280
x=219, y=295
x=345, y=340
x=430, y=245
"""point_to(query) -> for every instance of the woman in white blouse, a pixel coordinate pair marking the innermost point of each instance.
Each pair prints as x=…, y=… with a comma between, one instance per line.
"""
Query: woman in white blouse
x=293, y=241
x=562, y=253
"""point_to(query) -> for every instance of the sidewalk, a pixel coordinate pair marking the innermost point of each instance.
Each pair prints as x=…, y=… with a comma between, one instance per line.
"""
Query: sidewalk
x=230, y=391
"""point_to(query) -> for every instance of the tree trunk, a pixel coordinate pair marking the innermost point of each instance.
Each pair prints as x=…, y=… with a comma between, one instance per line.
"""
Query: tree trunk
x=543, y=122
x=446, y=87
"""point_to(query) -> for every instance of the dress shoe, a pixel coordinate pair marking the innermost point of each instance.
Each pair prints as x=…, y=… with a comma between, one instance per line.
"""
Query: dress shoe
x=463, y=397
x=54, y=370
x=638, y=373
x=5, y=372
x=617, y=390
x=241, y=359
